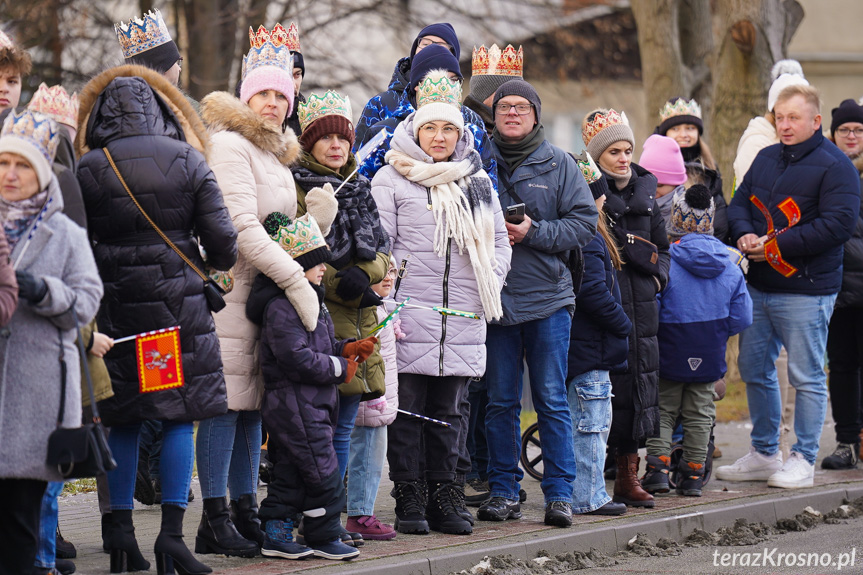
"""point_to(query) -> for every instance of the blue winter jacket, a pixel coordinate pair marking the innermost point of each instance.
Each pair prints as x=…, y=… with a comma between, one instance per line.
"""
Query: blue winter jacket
x=825, y=185
x=388, y=109
x=704, y=303
x=600, y=326
x=551, y=185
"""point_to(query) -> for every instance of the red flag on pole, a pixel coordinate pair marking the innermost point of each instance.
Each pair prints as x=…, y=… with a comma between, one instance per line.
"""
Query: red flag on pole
x=160, y=363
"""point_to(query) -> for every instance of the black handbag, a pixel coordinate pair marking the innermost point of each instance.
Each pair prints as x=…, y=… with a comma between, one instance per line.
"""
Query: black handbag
x=641, y=254
x=81, y=451
x=212, y=292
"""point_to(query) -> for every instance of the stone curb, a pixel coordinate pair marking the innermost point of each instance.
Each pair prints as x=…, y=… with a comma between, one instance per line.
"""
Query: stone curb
x=609, y=538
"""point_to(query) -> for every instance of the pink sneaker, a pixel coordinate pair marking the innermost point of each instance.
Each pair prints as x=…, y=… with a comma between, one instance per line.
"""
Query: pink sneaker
x=370, y=528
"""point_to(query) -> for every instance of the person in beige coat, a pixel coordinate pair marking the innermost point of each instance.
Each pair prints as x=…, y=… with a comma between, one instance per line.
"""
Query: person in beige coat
x=251, y=154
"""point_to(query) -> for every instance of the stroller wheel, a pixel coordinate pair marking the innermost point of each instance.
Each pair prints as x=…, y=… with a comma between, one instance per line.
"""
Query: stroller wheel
x=531, y=452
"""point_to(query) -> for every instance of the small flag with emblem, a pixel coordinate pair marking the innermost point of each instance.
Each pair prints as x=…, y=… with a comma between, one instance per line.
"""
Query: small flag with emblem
x=160, y=363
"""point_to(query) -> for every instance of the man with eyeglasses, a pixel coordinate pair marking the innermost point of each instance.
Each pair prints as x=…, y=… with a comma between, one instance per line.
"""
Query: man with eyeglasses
x=538, y=301
x=845, y=334
x=388, y=109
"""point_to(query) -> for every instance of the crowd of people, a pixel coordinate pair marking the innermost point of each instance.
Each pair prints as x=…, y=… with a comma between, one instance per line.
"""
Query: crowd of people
x=355, y=296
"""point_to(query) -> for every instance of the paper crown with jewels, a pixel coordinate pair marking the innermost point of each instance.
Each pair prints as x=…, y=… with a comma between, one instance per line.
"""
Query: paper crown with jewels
x=496, y=62
x=293, y=40
x=35, y=129
x=601, y=121
x=56, y=103
x=140, y=35
x=301, y=238
x=679, y=107
x=330, y=104
x=6, y=41
x=268, y=49
x=438, y=88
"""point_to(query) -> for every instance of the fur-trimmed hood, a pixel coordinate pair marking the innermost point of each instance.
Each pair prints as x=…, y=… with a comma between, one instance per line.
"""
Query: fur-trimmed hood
x=223, y=112
x=176, y=109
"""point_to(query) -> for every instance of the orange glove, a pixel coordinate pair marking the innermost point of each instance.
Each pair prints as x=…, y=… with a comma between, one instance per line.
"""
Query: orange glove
x=360, y=350
x=352, y=370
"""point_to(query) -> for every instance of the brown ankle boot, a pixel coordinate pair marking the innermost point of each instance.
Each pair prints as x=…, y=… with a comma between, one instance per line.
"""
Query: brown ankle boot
x=627, y=488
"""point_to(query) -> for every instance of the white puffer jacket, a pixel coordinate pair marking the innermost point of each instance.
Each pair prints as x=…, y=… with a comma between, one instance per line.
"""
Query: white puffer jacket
x=367, y=417
x=251, y=162
x=759, y=134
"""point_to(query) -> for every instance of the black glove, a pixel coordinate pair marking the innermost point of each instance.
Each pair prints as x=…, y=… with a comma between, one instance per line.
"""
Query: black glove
x=354, y=283
x=30, y=287
x=370, y=299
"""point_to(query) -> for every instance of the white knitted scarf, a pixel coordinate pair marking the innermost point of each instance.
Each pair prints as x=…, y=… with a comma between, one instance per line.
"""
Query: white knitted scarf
x=462, y=207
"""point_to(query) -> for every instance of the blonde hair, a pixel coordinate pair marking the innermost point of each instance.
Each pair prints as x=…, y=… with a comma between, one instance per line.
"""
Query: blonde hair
x=809, y=93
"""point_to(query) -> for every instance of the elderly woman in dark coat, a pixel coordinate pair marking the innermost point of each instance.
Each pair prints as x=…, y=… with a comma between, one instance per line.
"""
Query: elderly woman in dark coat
x=156, y=141
x=56, y=274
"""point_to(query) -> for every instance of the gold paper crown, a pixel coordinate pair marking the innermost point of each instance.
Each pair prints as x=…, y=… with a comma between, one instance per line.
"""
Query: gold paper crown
x=300, y=236
x=268, y=49
x=330, y=104
x=493, y=62
x=6, y=41
x=55, y=102
x=681, y=107
x=141, y=35
x=293, y=41
x=34, y=128
x=601, y=121
x=438, y=88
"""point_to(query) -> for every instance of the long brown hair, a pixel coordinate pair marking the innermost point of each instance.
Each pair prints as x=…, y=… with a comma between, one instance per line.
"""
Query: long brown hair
x=706, y=155
x=613, y=251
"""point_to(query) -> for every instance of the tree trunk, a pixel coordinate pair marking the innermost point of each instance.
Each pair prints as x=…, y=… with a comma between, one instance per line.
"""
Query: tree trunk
x=753, y=35
x=211, y=40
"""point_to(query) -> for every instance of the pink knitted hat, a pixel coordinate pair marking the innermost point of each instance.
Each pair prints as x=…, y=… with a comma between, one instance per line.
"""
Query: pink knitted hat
x=662, y=157
x=268, y=78
x=268, y=65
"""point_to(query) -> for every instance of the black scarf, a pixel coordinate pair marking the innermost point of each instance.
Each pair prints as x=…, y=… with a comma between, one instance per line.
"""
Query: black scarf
x=514, y=154
x=356, y=232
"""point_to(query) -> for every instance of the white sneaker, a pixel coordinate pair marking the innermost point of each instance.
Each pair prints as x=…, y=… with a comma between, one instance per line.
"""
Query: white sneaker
x=751, y=467
x=796, y=473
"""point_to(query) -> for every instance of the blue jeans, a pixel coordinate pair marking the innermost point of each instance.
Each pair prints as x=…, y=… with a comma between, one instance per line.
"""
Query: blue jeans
x=368, y=452
x=348, y=407
x=799, y=322
x=46, y=553
x=229, y=453
x=545, y=343
x=590, y=406
x=178, y=454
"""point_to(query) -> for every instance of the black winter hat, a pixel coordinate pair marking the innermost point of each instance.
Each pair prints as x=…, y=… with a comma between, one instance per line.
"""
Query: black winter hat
x=848, y=111
x=518, y=87
x=443, y=30
x=299, y=62
x=432, y=58
x=161, y=58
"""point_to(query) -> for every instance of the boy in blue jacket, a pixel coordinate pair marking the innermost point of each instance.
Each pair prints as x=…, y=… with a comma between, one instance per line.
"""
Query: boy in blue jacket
x=704, y=303
x=302, y=371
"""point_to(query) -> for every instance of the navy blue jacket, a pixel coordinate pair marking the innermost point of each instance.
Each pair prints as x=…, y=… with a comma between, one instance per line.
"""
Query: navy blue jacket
x=600, y=326
x=705, y=303
x=826, y=187
x=389, y=109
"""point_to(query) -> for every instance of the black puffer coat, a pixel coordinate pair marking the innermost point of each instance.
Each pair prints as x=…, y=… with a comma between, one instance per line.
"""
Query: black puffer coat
x=149, y=129
x=636, y=391
x=851, y=294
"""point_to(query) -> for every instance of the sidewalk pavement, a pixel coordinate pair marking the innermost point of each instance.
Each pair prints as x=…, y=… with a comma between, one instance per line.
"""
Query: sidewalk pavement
x=439, y=554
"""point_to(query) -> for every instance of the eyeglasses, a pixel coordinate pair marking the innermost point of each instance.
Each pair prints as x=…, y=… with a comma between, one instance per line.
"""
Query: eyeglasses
x=426, y=42
x=520, y=109
x=392, y=272
x=845, y=132
x=432, y=130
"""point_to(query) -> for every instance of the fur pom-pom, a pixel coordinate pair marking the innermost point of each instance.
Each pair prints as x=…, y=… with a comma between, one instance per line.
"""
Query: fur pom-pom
x=785, y=67
x=698, y=197
x=275, y=221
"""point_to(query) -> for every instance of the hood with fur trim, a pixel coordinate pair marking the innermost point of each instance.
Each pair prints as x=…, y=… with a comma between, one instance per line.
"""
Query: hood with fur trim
x=178, y=114
x=221, y=111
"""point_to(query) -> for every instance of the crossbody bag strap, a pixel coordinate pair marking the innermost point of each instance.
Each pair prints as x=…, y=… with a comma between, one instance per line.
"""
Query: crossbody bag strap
x=152, y=223
x=514, y=195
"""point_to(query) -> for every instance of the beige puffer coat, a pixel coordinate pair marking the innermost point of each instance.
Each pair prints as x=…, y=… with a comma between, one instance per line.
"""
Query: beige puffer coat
x=251, y=162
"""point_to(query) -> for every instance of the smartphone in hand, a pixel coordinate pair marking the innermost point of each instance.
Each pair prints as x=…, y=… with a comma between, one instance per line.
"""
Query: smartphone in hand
x=515, y=214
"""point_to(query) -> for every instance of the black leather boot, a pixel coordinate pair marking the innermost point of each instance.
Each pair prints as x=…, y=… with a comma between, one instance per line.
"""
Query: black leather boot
x=217, y=534
x=171, y=551
x=125, y=555
x=441, y=511
x=244, y=514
